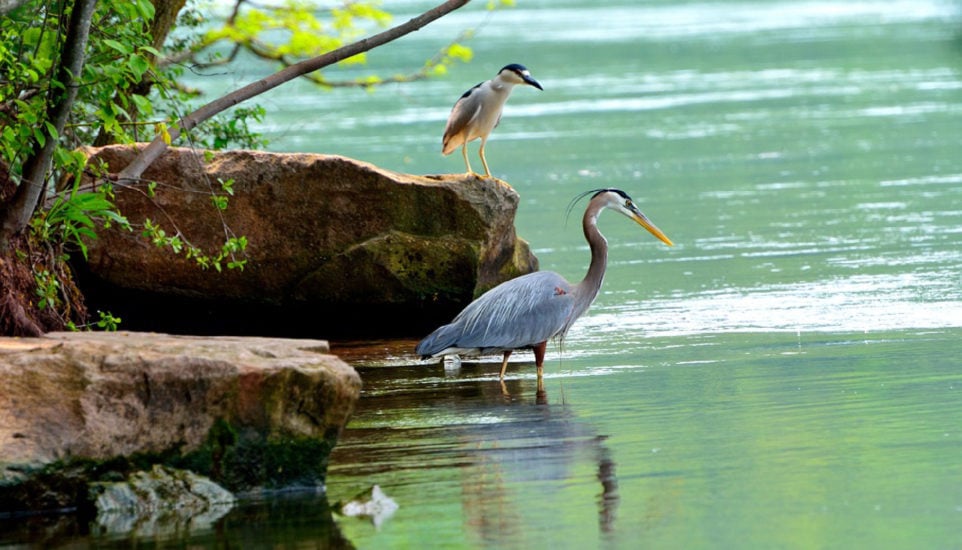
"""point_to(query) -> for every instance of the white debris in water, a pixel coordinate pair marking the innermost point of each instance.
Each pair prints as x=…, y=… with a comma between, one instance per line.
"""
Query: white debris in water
x=372, y=504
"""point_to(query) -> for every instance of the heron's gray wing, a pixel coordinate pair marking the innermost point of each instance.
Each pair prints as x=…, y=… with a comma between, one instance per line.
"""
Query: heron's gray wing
x=518, y=313
x=438, y=341
x=464, y=111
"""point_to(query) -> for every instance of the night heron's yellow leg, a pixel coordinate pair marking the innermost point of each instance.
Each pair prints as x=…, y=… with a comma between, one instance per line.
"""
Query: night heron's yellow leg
x=504, y=363
x=464, y=153
x=484, y=161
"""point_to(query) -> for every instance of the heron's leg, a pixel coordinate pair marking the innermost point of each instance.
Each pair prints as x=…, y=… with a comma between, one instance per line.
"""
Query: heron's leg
x=539, y=350
x=464, y=153
x=484, y=161
x=504, y=362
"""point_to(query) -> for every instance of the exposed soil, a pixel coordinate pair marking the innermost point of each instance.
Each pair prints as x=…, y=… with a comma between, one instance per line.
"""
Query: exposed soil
x=20, y=313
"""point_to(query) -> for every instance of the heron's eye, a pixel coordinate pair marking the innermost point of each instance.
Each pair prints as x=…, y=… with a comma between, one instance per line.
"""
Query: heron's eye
x=627, y=203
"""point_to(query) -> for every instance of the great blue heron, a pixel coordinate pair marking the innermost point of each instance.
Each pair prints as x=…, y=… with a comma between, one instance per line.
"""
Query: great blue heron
x=479, y=111
x=527, y=311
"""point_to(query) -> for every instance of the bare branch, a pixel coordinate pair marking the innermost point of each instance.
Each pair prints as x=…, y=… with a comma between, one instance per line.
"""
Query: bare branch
x=187, y=123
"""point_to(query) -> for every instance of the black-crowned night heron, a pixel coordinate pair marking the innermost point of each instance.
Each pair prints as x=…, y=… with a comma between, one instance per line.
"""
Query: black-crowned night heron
x=479, y=111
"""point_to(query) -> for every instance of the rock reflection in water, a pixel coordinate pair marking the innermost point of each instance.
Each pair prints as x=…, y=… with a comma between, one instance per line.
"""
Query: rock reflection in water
x=158, y=524
x=301, y=519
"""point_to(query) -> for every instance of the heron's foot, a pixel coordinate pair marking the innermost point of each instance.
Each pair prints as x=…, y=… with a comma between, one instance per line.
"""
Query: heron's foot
x=485, y=176
x=541, y=397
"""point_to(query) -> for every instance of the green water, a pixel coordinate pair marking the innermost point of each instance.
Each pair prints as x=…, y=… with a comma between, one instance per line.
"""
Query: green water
x=787, y=376
x=747, y=440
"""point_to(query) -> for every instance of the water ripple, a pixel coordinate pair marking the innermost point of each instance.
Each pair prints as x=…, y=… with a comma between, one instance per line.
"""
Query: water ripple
x=847, y=304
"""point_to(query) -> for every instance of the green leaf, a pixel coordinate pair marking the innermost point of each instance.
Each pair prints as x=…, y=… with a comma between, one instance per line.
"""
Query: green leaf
x=144, y=105
x=138, y=65
x=38, y=135
x=125, y=50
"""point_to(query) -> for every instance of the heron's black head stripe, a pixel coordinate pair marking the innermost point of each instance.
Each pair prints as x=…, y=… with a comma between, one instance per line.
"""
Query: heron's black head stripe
x=611, y=190
x=515, y=68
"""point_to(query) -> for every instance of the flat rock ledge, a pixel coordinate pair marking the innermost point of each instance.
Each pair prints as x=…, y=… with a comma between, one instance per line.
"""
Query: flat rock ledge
x=251, y=414
x=379, y=253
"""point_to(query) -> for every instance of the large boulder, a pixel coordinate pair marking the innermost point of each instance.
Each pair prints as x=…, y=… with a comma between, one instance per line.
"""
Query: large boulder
x=336, y=246
x=249, y=413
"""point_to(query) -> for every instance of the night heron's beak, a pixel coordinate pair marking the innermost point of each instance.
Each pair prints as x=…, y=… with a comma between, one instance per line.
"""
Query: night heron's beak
x=532, y=82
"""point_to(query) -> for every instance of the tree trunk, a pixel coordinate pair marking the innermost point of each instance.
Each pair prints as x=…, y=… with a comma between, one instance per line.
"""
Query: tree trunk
x=15, y=216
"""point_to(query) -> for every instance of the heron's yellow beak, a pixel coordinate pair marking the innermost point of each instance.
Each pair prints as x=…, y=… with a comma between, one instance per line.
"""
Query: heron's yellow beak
x=643, y=221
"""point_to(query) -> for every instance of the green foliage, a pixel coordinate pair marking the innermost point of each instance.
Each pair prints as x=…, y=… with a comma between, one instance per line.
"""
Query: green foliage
x=229, y=255
x=110, y=104
x=454, y=52
x=69, y=221
x=294, y=30
x=234, y=130
x=221, y=201
x=129, y=92
x=119, y=55
x=120, y=59
x=48, y=289
x=72, y=219
x=107, y=322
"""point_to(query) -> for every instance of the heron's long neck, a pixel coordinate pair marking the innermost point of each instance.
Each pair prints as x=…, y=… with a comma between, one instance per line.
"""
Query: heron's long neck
x=588, y=288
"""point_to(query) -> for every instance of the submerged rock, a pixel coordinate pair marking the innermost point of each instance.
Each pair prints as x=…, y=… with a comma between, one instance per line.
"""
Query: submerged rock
x=158, y=502
x=249, y=413
x=336, y=246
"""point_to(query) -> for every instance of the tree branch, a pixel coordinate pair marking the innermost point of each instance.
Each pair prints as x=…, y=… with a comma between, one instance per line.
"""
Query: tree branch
x=157, y=147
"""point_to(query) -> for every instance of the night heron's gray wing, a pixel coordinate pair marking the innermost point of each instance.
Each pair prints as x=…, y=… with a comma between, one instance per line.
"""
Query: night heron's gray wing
x=466, y=110
x=521, y=312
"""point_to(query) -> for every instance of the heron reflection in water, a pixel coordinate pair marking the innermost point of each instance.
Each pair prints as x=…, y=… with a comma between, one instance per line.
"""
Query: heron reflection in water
x=527, y=311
